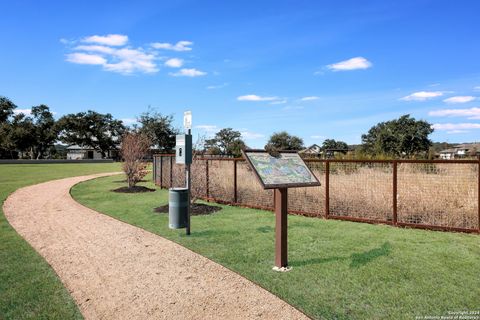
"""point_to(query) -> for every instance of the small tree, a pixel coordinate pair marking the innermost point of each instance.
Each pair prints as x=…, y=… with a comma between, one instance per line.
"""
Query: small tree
x=135, y=147
x=284, y=141
x=226, y=142
x=159, y=129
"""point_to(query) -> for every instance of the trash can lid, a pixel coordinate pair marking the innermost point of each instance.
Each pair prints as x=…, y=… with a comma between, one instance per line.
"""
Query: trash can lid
x=178, y=189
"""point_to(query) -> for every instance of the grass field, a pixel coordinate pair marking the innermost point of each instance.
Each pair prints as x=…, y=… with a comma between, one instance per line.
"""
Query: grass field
x=29, y=288
x=341, y=270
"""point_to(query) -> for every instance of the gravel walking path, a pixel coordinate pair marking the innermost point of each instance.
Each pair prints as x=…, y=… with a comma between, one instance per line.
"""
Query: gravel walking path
x=114, y=270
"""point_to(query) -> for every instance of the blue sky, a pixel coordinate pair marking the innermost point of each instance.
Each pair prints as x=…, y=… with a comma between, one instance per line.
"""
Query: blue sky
x=318, y=69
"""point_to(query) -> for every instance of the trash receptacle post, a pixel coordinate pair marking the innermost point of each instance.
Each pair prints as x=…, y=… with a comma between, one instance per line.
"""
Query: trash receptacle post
x=188, y=181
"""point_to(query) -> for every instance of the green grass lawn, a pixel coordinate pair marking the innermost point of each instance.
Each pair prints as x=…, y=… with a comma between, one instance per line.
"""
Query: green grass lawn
x=341, y=270
x=29, y=288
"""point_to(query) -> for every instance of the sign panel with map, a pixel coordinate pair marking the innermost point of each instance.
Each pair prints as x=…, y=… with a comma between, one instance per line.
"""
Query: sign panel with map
x=287, y=170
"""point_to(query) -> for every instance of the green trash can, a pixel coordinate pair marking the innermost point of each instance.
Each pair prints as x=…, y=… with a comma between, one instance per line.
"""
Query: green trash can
x=177, y=208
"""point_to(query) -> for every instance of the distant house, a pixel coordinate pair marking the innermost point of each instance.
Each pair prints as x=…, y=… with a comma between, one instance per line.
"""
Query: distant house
x=460, y=151
x=76, y=152
x=314, y=149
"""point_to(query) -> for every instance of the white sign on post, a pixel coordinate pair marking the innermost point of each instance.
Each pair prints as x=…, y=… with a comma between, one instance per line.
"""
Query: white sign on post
x=187, y=119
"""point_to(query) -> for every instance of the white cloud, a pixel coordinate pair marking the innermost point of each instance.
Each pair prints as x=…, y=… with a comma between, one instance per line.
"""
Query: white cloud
x=113, y=54
x=128, y=61
x=459, y=99
x=456, y=126
x=84, y=58
x=249, y=135
x=350, y=64
x=179, y=46
x=24, y=111
x=109, y=40
x=217, y=86
x=318, y=137
x=123, y=60
x=188, y=73
x=310, y=98
x=422, y=95
x=477, y=88
x=471, y=113
x=254, y=97
x=174, y=63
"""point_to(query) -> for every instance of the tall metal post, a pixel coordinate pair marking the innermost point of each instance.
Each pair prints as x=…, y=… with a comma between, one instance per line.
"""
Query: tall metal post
x=187, y=182
x=395, y=192
x=327, y=189
x=235, y=194
x=478, y=194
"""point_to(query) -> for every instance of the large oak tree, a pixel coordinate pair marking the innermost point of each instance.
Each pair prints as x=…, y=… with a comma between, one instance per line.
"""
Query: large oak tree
x=91, y=129
x=404, y=137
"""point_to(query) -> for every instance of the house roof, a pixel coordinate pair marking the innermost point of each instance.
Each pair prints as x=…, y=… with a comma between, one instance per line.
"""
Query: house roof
x=314, y=148
x=77, y=147
x=449, y=151
x=463, y=146
x=468, y=146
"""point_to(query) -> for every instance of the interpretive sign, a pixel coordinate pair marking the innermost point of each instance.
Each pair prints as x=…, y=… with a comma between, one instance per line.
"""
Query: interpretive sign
x=280, y=172
x=287, y=170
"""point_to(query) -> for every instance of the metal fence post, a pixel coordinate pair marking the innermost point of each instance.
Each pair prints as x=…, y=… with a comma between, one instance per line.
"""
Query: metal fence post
x=235, y=181
x=395, y=192
x=327, y=188
x=207, y=187
x=161, y=172
x=154, y=169
x=171, y=172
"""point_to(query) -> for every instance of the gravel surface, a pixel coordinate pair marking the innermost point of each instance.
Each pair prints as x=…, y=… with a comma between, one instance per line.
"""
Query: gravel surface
x=117, y=271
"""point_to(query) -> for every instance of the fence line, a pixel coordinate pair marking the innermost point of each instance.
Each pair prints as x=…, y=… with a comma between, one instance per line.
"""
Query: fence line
x=427, y=194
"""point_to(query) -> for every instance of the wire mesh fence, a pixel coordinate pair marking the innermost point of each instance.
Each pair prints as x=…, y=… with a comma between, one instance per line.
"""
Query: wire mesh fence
x=435, y=194
x=440, y=194
x=361, y=190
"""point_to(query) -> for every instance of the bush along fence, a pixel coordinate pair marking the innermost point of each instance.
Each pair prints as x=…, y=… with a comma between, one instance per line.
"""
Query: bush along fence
x=428, y=194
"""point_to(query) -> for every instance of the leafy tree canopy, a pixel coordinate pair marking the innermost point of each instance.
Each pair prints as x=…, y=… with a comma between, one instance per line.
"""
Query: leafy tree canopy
x=402, y=137
x=284, y=141
x=21, y=134
x=334, y=144
x=99, y=131
x=46, y=131
x=226, y=142
x=6, y=109
x=159, y=129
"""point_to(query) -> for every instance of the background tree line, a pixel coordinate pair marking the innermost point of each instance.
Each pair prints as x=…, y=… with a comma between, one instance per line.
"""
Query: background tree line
x=35, y=135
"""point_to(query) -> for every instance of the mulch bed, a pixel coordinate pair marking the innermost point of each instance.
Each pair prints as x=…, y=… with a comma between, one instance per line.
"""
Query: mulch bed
x=125, y=181
x=136, y=189
x=196, y=209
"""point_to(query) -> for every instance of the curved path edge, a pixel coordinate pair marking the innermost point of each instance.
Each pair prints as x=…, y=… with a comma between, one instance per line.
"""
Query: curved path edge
x=114, y=270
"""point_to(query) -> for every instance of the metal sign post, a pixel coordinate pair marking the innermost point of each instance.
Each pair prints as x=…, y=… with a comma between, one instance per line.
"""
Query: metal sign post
x=187, y=124
x=281, y=212
x=179, y=208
